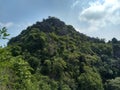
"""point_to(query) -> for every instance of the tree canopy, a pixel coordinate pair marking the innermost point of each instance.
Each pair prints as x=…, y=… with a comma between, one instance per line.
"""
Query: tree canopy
x=51, y=55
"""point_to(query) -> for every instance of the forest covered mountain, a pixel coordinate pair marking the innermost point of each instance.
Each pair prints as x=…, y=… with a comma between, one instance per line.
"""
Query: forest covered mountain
x=51, y=55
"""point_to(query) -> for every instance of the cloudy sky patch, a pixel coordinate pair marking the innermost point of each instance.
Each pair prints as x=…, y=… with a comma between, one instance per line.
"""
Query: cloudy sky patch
x=100, y=15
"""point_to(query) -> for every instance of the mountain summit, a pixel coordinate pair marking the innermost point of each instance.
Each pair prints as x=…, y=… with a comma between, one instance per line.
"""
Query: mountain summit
x=56, y=26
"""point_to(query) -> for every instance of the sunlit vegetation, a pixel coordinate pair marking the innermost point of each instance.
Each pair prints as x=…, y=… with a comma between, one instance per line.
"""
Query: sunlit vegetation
x=51, y=55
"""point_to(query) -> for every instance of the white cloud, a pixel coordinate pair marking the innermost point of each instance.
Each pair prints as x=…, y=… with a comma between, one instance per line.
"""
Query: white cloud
x=7, y=25
x=79, y=3
x=76, y=2
x=99, y=15
x=78, y=29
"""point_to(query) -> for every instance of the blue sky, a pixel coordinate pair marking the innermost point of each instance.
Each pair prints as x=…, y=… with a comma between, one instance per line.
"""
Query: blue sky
x=96, y=18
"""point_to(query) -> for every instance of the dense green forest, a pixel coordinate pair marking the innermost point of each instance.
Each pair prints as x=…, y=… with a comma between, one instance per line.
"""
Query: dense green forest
x=51, y=55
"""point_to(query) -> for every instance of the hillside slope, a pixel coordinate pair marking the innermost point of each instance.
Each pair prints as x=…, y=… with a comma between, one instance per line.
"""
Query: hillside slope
x=71, y=59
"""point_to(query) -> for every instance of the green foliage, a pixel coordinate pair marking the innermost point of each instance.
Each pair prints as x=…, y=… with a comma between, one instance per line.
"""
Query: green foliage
x=113, y=84
x=22, y=71
x=3, y=33
x=51, y=55
x=54, y=68
x=89, y=80
x=4, y=68
x=14, y=72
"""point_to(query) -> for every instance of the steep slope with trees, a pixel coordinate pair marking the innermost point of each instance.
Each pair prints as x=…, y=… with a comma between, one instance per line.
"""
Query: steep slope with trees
x=60, y=58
